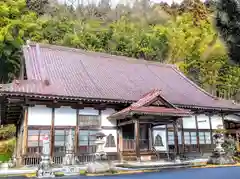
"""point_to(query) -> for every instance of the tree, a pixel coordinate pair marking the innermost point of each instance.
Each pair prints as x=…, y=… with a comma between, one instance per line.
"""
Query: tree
x=227, y=22
x=17, y=24
x=38, y=6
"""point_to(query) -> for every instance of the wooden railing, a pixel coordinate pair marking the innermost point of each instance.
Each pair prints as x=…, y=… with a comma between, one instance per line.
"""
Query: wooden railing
x=34, y=160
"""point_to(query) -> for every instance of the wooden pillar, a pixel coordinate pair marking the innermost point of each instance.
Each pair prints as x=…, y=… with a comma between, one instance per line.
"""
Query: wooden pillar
x=182, y=135
x=52, y=132
x=211, y=132
x=197, y=134
x=150, y=134
x=25, y=131
x=119, y=142
x=76, y=143
x=137, y=135
x=175, y=126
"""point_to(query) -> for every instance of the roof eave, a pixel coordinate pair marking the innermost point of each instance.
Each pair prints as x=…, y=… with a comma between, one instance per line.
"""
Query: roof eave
x=119, y=101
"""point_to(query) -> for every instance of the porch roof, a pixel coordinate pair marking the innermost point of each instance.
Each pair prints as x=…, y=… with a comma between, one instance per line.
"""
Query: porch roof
x=152, y=103
x=152, y=110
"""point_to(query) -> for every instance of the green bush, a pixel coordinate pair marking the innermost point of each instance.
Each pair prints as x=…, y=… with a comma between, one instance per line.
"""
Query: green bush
x=59, y=174
x=83, y=172
x=7, y=132
x=6, y=149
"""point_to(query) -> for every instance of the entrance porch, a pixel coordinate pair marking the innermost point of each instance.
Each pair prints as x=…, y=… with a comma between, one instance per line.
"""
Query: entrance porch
x=136, y=138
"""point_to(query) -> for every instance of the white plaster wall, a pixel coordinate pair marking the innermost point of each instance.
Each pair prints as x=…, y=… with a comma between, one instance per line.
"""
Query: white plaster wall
x=104, y=114
x=203, y=121
x=65, y=116
x=39, y=115
x=189, y=122
x=216, y=121
x=114, y=133
x=88, y=111
x=162, y=133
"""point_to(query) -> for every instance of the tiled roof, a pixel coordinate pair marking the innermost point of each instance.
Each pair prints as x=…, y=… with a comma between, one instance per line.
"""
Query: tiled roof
x=77, y=73
x=145, y=105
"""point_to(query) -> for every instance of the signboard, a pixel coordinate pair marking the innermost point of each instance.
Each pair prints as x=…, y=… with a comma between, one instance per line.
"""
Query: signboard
x=160, y=140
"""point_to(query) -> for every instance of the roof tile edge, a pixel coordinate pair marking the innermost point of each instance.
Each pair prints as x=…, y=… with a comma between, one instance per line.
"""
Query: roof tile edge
x=177, y=70
x=101, y=54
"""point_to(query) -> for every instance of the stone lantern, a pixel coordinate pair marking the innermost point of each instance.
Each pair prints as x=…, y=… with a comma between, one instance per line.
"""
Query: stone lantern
x=100, y=153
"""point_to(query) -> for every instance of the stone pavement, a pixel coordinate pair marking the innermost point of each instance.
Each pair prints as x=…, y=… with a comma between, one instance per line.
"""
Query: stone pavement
x=146, y=164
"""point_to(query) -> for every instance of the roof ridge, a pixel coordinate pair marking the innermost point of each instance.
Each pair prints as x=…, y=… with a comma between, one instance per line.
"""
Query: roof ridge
x=101, y=54
x=176, y=69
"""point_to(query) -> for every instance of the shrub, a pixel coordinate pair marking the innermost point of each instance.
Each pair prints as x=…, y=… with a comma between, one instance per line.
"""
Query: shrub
x=229, y=146
x=83, y=172
x=6, y=149
x=7, y=132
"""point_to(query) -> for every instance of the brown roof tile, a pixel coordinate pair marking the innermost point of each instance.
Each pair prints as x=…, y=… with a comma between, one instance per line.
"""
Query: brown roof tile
x=77, y=73
x=145, y=105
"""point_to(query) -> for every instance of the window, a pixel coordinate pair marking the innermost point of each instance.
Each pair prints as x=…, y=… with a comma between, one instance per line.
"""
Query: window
x=187, y=139
x=190, y=138
x=86, y=141
x=62, y=138
x=204, y=138
x=201, y=138
x=179, y=137
x=193, y=137
x=35, y=140
x=89, y=121
x=170, y=138
x=110, y=141
x=158, y=141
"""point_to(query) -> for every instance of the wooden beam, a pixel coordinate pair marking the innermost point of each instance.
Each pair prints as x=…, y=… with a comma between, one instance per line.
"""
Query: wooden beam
x=25, y=131
x=137, y=136
x=52, y=136
x=126, y=123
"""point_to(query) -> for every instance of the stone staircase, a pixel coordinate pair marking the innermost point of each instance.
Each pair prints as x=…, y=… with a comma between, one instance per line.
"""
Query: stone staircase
x=145, y=155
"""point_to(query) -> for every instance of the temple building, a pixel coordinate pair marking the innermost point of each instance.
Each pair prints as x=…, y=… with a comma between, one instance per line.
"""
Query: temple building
x=147, y=110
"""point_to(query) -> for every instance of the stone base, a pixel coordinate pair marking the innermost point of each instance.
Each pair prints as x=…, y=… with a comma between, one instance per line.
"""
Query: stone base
x=4, y=165
x=177, y=159
x=220, y=159
x=45, y=174
x=98, y=167
x=70, y=170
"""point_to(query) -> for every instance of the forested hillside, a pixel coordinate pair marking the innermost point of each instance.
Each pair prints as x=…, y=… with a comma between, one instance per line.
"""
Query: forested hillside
x=183, y=34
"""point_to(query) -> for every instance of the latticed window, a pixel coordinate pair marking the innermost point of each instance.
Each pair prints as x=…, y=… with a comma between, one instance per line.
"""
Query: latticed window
x=89, y=121
x=86, y=141
x=110, y=141
x=171, y=138
x=190, y=138
x=204, y=138
x=35, y=143
x=62, y=137
x=158, y=141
